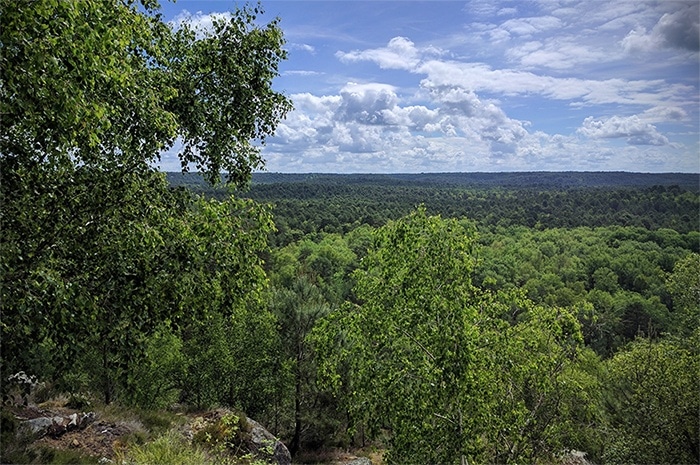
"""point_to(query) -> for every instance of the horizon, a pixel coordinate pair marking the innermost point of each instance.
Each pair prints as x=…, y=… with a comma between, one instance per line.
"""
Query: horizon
x=481, y=86
x=368, y=173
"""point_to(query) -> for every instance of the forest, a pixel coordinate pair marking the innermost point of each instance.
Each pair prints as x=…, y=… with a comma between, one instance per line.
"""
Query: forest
x=432, y=318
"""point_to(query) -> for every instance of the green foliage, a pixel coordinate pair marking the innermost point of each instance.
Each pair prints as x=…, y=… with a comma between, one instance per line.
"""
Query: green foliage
x=312, y=203
x=615, y=276
x=684, y=286
x=224, y=435
x=444, y=367
x=109, y=83
x=652, y=395
x=98, y=253
x=154, y=379
x=224, y=98
x=50, y=456
x=308, y=279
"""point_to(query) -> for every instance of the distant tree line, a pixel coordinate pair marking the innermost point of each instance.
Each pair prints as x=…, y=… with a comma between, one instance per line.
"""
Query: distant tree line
x=308, y=207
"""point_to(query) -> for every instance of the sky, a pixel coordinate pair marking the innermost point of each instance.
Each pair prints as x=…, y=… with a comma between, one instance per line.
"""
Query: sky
x=481, y=85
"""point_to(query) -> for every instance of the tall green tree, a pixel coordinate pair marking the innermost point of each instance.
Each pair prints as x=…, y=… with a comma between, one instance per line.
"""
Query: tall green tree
x=298, y=308
x=308, y=280
x=441, y=366
x=684, y=286
x=96, y=249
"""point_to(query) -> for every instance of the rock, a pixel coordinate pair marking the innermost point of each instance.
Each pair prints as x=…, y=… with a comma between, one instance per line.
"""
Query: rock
x=57, y=425
x=360, y=461
x=266, y=446
x=574, y=457
x=39, y=427
x=245, y=436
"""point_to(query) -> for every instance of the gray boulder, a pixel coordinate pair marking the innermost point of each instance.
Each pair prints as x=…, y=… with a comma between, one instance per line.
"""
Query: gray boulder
x=360, y=461
x=245, y=436
x=57, y=425
x=266, y=446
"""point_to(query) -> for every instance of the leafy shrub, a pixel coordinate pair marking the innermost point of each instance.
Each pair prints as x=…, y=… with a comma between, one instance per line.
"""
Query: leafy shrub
x=227, y=434
x=154, y=380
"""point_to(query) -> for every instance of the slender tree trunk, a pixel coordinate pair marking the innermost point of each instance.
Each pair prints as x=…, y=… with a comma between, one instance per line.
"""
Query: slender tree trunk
x=294, y=446
x=107, y=383
x=463, y=458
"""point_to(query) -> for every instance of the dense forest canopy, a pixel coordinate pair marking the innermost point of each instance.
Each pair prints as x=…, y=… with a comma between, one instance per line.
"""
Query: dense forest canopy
x=308, y=203
x=439, y=318
x=601, y=248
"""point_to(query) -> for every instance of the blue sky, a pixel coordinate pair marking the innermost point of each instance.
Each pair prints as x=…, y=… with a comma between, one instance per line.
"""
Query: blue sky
x=444, y=86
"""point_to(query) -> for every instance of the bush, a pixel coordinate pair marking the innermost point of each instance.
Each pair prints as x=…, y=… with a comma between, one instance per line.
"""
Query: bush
x=153, y=382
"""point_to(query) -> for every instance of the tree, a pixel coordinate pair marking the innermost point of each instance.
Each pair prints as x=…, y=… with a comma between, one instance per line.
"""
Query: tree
x=684, y=286
x=96, y=248
x=652, y=396
x=298, y=308
x=437, y=363
x=308, y=279
x=110, y=84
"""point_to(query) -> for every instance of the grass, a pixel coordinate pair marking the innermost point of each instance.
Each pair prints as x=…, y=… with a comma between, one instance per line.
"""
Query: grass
x=167, y=448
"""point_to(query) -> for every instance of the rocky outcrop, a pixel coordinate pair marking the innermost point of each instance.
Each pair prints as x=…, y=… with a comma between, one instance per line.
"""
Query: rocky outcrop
x=266, y=446
x=238, y=434
x=56, y=426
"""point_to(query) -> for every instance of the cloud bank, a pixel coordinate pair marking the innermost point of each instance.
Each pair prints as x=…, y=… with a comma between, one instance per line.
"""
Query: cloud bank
x=512, y=86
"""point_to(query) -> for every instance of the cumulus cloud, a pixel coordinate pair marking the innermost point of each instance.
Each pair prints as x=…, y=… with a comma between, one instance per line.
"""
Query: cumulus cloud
x=631, y=128
x=367, y=103
x=679, y=29
x=372, y=121
x=463, y=112
x=400, y=53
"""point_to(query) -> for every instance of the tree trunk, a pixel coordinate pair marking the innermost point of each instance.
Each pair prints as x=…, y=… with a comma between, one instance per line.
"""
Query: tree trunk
x=107, y=383
x=294, y=446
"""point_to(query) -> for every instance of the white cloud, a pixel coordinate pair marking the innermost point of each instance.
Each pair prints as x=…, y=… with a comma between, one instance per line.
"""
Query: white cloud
x=301, y=72
x=631, y=128
x=303, y=47
x=367, y=103
x=556, y=53
x=455, y=130
x=664, y=114
x=400, y=53
x=531, y=26
x=508, y=11
x=480, y=77
x=679, y=29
